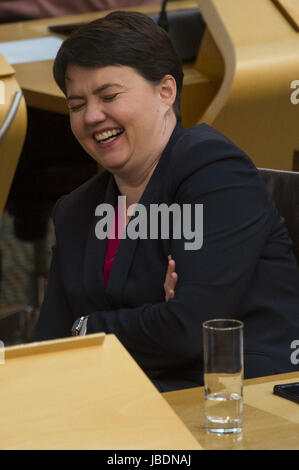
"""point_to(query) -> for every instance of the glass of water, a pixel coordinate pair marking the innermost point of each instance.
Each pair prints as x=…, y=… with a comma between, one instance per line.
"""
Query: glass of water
x=223, y=375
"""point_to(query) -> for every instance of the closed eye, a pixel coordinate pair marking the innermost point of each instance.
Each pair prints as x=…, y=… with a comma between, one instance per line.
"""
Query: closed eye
x=108, y=98
x=76, y=107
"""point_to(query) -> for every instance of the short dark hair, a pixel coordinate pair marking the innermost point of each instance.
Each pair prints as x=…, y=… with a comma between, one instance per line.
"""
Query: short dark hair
x=122, y=38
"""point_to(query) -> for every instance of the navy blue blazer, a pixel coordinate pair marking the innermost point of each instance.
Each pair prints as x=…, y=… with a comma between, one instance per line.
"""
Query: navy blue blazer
x=245, y=268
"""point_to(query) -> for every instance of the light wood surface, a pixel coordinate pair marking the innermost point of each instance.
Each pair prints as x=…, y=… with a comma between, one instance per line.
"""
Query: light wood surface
x=12, y=142
x=270, y=422
x=83, y=393
x=254, y=51
x=6, y=70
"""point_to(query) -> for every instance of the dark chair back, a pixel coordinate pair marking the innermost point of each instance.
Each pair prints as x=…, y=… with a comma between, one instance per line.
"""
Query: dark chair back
x=283, y=187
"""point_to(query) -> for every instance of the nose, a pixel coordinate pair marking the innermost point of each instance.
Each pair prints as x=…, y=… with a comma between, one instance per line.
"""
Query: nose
x=94, y=113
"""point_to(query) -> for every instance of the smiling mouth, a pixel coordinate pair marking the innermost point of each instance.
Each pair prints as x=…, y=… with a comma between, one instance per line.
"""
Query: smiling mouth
x=108, y=136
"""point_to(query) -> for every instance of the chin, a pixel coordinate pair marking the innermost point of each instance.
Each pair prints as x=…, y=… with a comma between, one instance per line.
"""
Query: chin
x=112, y=164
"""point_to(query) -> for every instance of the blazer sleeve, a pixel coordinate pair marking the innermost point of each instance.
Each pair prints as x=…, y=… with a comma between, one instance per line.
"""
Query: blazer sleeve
x=212, y=279
x=55, y=319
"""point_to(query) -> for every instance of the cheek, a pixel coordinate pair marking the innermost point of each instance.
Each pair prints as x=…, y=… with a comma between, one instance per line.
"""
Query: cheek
x=76, y=127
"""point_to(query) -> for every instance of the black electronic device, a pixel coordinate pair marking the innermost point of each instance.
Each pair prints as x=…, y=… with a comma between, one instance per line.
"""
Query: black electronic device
x=185, y=28
x=65, y=28
x=289, y=391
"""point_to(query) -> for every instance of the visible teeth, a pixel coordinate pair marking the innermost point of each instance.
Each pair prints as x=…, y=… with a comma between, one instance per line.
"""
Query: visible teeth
x=109, y=140
x=108, y=134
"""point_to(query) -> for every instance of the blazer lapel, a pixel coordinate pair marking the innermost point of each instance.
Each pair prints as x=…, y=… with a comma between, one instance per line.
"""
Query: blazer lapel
x=112, y=296
x=95, y=253
x=126, y=250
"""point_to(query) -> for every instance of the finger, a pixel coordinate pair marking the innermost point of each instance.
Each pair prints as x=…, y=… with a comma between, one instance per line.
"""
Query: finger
x=171, y=294
x=170, y=280
x=169, y=273
x=174, y=279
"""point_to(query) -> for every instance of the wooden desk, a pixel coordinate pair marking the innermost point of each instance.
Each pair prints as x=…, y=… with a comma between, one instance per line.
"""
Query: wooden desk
x=41, y=91
x=83, y=393
x=270, y=422
x=254, y=50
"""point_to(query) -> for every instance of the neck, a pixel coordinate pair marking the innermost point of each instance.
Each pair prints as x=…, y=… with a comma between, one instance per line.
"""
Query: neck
x=133, y=190
x=133, y=184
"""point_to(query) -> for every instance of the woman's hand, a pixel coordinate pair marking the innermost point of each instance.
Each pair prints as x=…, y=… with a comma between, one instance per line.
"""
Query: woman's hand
x=170, y=279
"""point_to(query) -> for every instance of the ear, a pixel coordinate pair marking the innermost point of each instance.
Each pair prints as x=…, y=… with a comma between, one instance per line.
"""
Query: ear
x=168, y=90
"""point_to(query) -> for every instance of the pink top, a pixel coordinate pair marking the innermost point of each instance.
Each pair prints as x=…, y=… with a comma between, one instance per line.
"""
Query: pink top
x=113, y=242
